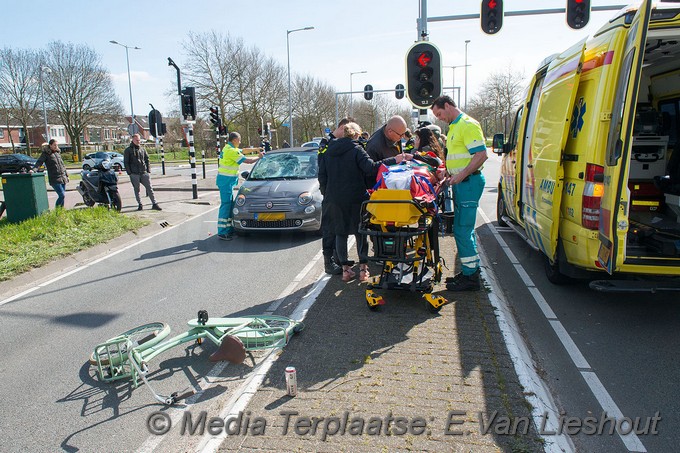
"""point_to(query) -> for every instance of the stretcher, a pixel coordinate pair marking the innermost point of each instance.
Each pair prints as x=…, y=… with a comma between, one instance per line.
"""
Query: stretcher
x=405, y=237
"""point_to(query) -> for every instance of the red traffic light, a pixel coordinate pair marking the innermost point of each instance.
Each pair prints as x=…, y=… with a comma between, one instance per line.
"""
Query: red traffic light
x=424, y=59
x=214, y=110
x=492, y=4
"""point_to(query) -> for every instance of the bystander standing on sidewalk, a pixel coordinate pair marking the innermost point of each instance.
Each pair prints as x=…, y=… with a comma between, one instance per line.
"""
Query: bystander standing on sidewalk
x=227, y=177
x=136, y=161
x=56, y=170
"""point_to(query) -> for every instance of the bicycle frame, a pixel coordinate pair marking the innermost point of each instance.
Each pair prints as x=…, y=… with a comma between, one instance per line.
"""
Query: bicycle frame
x=125, y=358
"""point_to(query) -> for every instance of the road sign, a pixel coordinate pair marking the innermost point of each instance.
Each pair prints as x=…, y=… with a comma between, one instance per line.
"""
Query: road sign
x=327, y=130
x=133, y=129
x=285, y=125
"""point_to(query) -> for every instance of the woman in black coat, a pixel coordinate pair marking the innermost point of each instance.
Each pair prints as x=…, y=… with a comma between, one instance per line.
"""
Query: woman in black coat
x=342, y=179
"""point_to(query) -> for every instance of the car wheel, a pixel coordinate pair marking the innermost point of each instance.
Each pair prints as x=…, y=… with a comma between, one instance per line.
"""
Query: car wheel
x=553, y=271
x=500, y=209
x=86, y=167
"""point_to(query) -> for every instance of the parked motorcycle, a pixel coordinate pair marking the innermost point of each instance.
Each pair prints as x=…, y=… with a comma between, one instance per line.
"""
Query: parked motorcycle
x=100, y=185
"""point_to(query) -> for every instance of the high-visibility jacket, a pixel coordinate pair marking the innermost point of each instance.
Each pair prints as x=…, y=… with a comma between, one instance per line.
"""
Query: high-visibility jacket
x=465, y=137
x=230, y=158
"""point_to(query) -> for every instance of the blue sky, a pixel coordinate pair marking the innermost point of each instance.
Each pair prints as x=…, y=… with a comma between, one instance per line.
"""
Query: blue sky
x=349, y=36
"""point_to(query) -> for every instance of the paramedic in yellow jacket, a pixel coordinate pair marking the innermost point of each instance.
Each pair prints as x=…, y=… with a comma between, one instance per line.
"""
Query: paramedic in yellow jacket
x=466, y=154
x=227, y=177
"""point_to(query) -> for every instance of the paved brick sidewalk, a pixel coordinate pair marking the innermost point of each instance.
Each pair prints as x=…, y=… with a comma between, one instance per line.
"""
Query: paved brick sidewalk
x=402, y=361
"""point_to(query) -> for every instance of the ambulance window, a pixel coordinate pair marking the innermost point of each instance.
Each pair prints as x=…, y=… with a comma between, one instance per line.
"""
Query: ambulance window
x=515, y=127
x=614, y=142
x=533, y=108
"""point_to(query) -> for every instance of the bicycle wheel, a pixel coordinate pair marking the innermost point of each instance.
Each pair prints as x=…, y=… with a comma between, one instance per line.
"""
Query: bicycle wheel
x=267, y=331
x=143, y=337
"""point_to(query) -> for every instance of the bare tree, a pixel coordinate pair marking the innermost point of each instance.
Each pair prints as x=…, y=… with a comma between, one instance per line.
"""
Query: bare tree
x=79, y=88
x=19, y=89
x=494, y=107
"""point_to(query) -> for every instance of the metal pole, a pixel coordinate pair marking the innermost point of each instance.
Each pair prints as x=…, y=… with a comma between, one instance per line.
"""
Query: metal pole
x=467, y=41
x=337, y=119
x=127, y=60
x=351, y=106
x=42, y=93
x=192, y=157
x=290, y=102
x=160, y=139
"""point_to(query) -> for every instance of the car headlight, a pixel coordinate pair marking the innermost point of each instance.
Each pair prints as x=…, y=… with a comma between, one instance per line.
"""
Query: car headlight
x=305, y=198
x=240, y=200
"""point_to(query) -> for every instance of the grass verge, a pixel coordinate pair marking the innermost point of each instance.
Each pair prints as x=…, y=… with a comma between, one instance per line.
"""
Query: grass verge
x=37, y=241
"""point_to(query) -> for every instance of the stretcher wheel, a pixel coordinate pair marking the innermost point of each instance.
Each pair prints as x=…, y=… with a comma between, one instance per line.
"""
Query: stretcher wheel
x=434, y=303
x=373, y=300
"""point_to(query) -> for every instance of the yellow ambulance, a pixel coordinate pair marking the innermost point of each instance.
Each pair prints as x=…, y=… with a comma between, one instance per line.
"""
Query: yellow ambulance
x=591, y=168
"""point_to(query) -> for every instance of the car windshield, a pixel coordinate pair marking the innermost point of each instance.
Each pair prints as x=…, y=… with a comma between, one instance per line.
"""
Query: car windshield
x=292, y=165
x=23, y=157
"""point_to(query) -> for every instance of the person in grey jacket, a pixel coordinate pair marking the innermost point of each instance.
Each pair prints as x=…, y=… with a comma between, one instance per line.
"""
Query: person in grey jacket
x=136, y=161
x=56, y=170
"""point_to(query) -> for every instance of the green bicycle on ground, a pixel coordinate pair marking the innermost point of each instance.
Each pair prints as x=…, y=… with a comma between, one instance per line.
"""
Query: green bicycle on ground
x=127, y=355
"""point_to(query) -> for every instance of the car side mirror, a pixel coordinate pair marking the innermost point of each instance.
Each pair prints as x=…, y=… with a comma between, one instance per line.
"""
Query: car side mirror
x=498, y=144
x=245, y=174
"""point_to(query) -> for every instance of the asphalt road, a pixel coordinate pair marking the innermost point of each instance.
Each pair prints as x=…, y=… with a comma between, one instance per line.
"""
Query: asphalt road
x=50, y=398
x=628, y=342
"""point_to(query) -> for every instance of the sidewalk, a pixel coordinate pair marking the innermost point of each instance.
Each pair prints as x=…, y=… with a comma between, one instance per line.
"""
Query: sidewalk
x=401, y=361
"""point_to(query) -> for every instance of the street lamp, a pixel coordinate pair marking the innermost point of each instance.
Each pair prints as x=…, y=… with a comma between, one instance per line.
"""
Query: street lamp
x=467, y=41
x=453, y=79
x=290, y=102
x=351, y=96
x=42, y=94
x=132, y=109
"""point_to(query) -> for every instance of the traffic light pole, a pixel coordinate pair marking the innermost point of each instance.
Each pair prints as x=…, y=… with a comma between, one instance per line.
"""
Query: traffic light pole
x=160, y=141
x=192, y=159
x=530, y=12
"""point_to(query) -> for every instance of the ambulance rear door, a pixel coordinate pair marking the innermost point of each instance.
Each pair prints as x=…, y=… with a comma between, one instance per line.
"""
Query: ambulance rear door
x=613, y=210
x=544, y=173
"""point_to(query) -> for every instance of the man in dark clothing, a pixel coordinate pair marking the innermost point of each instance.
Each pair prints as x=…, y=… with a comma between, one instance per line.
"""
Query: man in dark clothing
x=386, y=141
x=328, y=236
x=137, y=166
x=56, y=170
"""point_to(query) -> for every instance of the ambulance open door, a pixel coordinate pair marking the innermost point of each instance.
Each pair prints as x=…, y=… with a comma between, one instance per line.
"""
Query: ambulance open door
x=544, y=173
x=613, y=208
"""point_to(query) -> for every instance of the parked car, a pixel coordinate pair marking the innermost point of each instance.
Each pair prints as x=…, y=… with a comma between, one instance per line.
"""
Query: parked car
x=312, y=144
x=281, y=193
x=16, y=163
x=92, y=159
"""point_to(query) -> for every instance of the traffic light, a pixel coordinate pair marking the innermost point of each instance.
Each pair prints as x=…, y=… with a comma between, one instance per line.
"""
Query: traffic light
x=266, y=128
x=215, y=117
x=399, y=91
x=578, y=13
x=492, y=16
x=423, y=74
x=155, y=121
x=189, y=103
x=368, y=92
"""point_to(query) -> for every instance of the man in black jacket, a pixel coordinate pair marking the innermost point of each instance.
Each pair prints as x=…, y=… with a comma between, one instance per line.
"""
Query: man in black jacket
x=137, y=166
x=386, y=141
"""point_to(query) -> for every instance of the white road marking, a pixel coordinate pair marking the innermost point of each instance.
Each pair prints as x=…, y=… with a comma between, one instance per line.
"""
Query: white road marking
x=631, y=441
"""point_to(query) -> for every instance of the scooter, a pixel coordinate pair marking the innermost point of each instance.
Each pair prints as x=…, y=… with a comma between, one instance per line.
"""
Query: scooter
x=100, y=185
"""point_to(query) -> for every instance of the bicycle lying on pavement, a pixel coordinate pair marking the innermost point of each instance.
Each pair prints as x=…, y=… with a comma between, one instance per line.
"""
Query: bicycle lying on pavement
x=127, y=355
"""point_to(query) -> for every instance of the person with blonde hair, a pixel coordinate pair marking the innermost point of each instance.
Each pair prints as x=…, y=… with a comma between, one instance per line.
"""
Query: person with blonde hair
x=342, y=179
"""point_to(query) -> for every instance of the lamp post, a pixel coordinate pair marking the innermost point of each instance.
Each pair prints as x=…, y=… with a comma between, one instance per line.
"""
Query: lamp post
x=453, y=79
x=351, y=95
x=467, y=41
x=42, y=95
x=133, y=124
x=290, y=102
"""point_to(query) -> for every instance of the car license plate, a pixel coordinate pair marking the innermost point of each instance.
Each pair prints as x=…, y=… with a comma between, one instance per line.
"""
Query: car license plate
x=270, y=216
x=604, y=254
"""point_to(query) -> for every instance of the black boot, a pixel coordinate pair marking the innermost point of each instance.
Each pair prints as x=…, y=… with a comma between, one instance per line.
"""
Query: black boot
x=466, y=283
x=330, y=267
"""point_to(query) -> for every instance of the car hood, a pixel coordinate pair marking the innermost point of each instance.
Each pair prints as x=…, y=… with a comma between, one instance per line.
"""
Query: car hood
x=279, y=189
